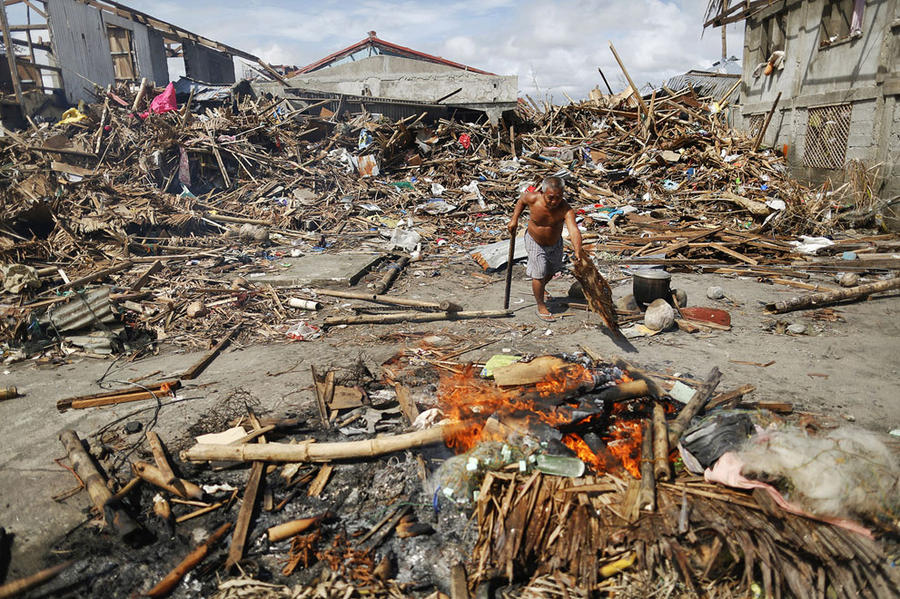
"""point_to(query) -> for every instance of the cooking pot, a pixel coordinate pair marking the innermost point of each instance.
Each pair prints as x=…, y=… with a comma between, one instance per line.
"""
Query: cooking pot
x=650, y=285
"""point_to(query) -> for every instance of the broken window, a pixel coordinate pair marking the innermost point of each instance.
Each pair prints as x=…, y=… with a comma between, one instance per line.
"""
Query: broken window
x=841, y=19
x=121, y=49
x=773, y=36
x=827, y=132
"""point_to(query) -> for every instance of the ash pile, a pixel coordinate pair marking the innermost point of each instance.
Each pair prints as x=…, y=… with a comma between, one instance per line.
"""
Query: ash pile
x=526, y=476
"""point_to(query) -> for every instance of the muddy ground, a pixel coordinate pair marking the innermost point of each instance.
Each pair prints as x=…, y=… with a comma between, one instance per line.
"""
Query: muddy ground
x=844, y=372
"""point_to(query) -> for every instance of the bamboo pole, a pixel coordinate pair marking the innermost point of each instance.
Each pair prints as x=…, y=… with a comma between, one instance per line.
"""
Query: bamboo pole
x=308, y=451
x=765, y=125
x=646, y=499
x=294, y=527
x=159, y=456
x=393, y=272
x=816, y=300
x=142, y=91
x=444, y=306
x=406, y=317
x=637, y=94
x=20, y=586
x=155, y=476
x=167, y=584
x=95, y=483
x=97, y=275
x=661, y=468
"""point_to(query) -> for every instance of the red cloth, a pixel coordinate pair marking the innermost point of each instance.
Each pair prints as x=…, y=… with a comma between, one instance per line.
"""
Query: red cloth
x=164, y=102
x=465, y=140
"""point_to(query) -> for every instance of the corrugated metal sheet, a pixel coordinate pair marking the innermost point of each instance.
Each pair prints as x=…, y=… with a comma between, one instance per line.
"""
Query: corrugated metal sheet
x=705, y=84
x=80, y=46
x=84, y=309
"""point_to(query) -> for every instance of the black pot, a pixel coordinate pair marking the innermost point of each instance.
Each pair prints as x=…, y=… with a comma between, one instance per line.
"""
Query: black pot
x=651, y=285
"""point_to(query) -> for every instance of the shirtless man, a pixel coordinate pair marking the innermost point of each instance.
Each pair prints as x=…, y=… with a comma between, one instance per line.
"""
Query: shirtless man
x=543, y=238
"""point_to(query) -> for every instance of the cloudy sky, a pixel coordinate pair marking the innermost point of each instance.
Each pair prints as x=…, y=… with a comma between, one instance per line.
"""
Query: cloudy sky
x=553, y=47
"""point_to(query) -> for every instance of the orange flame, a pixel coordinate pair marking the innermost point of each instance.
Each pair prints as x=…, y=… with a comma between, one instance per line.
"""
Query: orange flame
x=469, y=399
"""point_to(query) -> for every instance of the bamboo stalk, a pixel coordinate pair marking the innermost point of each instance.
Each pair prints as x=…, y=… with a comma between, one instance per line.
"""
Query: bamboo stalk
x=199, y=512
x=18, y=587
x=159, y=456
x=661, y=468
x=294, y=527
x=394, y=271
x=155, y=476
x=444, y=306
x=171, y=580
x=95, y=483
x=406, y=317
x=309, y=451
x=816, y=300
x=97, y=275
x=647, y=492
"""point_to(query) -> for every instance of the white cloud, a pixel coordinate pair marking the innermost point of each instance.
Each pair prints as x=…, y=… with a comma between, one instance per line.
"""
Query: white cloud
x=558, y=45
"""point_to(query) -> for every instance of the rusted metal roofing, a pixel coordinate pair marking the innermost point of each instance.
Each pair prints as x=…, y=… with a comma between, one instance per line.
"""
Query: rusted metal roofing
x=372, y=41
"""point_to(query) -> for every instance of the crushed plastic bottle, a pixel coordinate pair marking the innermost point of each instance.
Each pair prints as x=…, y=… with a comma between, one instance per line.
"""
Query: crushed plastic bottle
x=303, y=331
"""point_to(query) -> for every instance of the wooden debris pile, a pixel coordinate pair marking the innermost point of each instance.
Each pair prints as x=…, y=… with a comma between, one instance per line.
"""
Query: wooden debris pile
x=534, y=526
x=175, y=209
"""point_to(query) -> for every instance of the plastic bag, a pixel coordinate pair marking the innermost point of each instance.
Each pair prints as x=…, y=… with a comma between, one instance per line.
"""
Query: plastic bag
x=459, y=478
x=164, y=102
x=72, y=115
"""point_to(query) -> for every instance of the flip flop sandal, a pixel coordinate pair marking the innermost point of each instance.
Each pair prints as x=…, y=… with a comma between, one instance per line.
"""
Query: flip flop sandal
x=546, y=317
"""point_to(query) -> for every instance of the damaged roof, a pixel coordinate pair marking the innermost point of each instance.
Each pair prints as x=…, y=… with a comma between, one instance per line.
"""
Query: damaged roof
x=375, y=46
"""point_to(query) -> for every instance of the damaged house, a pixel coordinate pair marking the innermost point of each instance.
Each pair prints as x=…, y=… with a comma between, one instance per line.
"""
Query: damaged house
x=63, y=48
x=829, y=69
x=399, y=81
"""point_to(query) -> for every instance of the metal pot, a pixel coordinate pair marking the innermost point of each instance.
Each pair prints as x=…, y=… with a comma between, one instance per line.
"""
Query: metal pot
x=651, y=285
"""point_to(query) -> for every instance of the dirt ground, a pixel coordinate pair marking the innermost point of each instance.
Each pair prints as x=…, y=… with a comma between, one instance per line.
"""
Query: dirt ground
x=844, y=371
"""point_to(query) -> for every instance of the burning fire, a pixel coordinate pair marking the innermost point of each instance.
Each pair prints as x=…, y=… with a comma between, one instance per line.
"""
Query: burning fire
x=467, y=398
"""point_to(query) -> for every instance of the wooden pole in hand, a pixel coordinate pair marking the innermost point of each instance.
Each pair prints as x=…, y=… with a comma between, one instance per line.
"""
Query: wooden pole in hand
x=509, y=264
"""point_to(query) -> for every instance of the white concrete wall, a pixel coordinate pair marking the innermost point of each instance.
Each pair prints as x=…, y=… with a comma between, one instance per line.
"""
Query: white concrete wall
x=861, y=71
x=408, y=79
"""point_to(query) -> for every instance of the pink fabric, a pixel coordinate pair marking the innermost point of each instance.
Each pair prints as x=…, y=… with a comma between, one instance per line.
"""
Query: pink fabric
x=164, y=102
x=727, y=471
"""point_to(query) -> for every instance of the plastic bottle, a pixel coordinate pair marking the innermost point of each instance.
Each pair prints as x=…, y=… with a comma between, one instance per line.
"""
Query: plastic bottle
x=560, y=465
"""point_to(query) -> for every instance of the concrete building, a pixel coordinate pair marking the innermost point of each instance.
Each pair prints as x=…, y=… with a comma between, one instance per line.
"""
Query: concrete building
x=380, y=69
x=834, y=62
x=82, y=43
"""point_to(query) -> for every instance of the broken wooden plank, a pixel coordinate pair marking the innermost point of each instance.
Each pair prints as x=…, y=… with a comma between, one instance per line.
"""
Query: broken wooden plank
x=195, y=370
x=408, y=317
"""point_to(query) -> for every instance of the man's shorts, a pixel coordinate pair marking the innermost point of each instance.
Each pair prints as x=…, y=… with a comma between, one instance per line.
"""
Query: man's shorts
x=543, y=260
